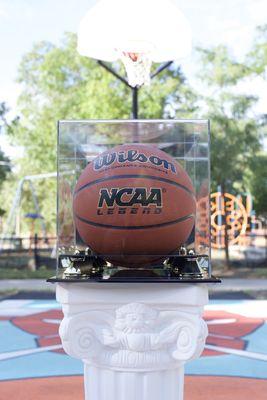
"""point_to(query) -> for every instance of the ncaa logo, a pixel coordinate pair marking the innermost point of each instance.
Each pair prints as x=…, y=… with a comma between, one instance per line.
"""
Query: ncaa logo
x=129, y=197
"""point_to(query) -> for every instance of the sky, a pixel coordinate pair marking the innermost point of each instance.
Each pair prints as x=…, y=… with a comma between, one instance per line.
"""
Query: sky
x=213, y=22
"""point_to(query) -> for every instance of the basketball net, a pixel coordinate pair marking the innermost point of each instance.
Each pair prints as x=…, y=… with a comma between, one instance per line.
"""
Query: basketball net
x=138, y=67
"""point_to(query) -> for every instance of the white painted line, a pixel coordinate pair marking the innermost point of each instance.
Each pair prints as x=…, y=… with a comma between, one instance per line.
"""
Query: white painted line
x=221, y=321
x=45, y=305
x=27, y=352
x=222, y=336
x=52, y=321
x=241, y=353
x=4, y=304
x=246, y=308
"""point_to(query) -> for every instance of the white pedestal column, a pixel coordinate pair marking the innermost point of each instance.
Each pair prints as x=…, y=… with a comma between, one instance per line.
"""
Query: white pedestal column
x=133, y=339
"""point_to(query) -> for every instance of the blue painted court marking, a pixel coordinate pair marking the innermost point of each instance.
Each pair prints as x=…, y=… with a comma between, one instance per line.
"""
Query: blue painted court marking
x=50, y=363
x=257, y=341
x=226, y=302
x=212, y=304
x=40, y=365
x=13, y=338
x=227, y=365
x=47, y=304
x=54, y=304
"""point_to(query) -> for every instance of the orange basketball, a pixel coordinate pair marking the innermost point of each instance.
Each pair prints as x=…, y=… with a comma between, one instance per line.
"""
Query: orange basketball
x=134, y=200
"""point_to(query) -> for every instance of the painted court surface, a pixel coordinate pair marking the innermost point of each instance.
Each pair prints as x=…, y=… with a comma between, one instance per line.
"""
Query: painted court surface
x=33, y=365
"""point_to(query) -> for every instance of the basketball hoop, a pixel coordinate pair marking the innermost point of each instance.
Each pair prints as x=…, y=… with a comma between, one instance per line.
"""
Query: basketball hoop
x=137, y=67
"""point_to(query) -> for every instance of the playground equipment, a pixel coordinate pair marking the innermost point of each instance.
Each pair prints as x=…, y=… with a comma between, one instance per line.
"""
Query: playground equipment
x=13, y=223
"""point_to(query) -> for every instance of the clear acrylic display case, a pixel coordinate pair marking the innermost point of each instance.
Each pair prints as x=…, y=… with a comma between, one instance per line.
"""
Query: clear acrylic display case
x=79, y=143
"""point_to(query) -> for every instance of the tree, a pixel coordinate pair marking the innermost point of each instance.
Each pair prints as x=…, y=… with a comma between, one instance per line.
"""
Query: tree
x=4, y=172
x=235, y=137
x=258, y=183
x=234, y=134
x=57, y=83
x=256, y=59
x=4, y=160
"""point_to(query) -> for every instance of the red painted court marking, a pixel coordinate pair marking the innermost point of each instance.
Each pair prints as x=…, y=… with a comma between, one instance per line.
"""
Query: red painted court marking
x=196, y=388
x=55, y=388
x=228, y=329
x=36, y=325
x=228, y=334
x=224, y=388
x=241, y=327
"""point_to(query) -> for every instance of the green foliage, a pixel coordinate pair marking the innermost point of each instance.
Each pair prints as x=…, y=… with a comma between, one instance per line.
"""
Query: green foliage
x=57, y=83
x=4, y=167
x=4, y=161
x=235, y=137
x=257, y=57
x=23, y=273
x=3, y=111
x=258, y=182
x=220, y=68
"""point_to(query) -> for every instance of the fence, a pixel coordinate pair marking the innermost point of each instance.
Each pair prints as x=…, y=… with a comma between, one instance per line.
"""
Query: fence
x=32, y=252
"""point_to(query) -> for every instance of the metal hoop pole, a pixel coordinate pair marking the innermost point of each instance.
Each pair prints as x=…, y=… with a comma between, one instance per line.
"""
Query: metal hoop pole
x=161, y=68
x=113, y=72
x=135, y=102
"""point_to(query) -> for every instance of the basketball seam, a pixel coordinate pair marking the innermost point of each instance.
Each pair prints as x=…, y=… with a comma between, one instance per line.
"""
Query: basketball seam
x=135, y=227
x=128, y=176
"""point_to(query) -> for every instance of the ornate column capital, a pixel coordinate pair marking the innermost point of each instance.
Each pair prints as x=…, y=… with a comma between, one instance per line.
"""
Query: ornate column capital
x=132, y=337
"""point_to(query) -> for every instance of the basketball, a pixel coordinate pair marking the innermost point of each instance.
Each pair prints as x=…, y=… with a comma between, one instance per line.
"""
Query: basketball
x=134, y=204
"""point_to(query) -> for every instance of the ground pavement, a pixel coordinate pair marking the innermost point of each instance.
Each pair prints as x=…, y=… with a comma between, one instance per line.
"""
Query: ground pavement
x=227, y=285
x=33, y=365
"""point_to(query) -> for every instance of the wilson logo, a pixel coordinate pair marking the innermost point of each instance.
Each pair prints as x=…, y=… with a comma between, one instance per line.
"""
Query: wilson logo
x=128, y=197
x=131, y=156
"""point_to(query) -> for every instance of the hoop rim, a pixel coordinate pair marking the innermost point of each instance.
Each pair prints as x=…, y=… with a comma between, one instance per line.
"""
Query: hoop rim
x=138, y=69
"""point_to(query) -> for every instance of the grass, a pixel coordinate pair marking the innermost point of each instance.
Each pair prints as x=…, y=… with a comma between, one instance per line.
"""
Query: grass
x=242, y=273
x=17, y=267
x=15, y=273
x=7, y=293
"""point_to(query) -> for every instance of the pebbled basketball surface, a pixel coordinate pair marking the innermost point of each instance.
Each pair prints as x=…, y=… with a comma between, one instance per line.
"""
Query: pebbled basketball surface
x=134, y=199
